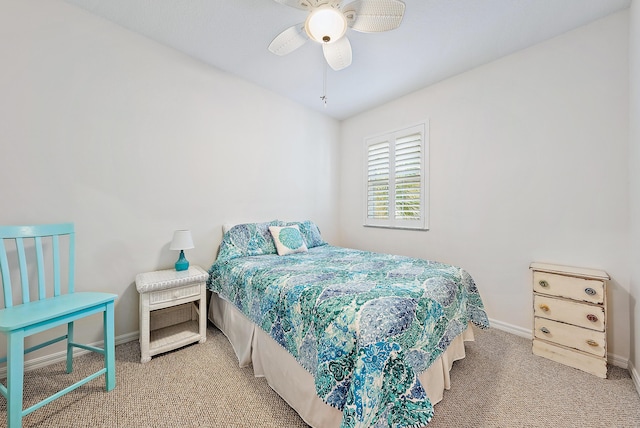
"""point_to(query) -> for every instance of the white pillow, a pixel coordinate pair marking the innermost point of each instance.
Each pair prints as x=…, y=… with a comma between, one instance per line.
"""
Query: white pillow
x=288, y=239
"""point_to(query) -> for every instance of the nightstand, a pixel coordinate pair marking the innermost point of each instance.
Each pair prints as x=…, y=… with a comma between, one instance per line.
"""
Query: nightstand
x=172, y=310
x=570, y=315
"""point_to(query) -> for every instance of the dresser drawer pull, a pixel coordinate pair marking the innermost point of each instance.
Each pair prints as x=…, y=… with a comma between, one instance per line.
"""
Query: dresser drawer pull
x=543, y=283
x=545, y=330
x=592, y=318
x=592, y=342
x=590, y=291
x=544, y=308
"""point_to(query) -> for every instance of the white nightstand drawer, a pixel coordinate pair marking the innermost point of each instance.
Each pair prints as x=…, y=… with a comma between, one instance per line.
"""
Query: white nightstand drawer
x=570, y=312
x=587, y=290
x=590, y=341
x=172, y=294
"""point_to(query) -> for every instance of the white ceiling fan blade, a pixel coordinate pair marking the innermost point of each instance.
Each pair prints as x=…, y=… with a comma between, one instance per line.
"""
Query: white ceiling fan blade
x=372, y=16
x=298, y=4
x=289, y=40
x=338, y=53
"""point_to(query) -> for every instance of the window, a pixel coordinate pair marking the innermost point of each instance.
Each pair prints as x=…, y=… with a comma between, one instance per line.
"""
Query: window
x=397, y=168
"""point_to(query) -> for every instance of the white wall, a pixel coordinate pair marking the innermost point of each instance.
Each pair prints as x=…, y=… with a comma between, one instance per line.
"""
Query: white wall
x=528, y=163
x=634, y=191
x=131, y=140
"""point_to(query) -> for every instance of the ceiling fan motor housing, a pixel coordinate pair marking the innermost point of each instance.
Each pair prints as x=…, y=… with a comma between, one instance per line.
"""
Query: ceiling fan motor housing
x=326, y=24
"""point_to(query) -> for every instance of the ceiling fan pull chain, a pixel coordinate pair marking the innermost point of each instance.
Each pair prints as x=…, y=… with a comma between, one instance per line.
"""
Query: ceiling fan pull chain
x=324, y=85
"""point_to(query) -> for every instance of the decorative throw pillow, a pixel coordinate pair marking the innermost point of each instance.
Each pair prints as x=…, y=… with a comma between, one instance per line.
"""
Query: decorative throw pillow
x=288, y=239
x=310, y=233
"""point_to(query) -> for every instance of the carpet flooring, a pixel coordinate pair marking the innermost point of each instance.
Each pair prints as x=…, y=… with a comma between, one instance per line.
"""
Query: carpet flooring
x=500, y=383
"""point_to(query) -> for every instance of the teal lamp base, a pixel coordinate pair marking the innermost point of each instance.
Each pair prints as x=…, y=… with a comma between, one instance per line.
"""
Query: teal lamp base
x=182, y=263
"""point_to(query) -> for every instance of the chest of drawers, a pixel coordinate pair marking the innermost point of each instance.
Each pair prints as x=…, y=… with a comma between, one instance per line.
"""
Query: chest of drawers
x=570, y=316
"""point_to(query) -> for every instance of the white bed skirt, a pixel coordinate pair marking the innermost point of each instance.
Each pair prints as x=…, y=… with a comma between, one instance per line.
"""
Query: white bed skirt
x=291, y=381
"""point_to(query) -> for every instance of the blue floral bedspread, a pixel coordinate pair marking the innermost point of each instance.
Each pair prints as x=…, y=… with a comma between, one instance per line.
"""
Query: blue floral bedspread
x=363, y=324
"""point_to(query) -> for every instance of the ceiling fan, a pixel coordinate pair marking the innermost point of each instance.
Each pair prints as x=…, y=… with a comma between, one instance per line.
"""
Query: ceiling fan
x=328, y=21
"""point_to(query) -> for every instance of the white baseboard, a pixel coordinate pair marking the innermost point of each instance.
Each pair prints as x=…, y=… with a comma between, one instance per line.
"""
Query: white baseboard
x=618, y=361
x=46, y=360
x=510, y=328
x=635, y=376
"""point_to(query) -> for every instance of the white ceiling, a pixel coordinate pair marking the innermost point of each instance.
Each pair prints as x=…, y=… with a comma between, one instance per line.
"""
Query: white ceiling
x=437, y=39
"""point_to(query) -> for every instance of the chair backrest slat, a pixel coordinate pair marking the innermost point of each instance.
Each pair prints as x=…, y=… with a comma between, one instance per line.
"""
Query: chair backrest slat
x=42, y=289
x=23, y=237
x=56, y=266
x=24, y=274
x=72, y=262
x=6, y=278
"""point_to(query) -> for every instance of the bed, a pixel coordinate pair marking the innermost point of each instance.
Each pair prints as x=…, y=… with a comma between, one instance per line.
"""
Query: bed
x=348, y=338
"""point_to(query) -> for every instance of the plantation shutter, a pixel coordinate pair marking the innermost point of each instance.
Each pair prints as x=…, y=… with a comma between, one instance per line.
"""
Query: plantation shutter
x=408, y=177
x=378, y=181
x=396, y=176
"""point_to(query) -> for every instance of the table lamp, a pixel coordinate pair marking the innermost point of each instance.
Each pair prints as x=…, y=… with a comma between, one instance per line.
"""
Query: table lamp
x=181, y=241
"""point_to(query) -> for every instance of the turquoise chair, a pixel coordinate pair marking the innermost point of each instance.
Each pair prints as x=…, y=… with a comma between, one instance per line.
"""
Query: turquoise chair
x=51, y=305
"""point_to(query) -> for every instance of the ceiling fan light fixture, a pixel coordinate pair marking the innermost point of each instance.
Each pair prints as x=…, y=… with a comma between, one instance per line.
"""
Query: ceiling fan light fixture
x=325, y=25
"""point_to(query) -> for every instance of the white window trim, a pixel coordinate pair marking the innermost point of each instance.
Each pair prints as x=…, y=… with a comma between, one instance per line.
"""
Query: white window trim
x=423, y=222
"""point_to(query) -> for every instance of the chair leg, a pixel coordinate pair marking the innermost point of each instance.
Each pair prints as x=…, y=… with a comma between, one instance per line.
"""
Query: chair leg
x=109, y=347
x=15, y=379
x=69, y=347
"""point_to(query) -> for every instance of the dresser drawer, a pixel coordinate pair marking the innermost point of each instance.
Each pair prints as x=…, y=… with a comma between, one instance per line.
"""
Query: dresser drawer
x=172, y=294
x=590, y=341
x=570, y=357
x=566, y=311
x=587, y=290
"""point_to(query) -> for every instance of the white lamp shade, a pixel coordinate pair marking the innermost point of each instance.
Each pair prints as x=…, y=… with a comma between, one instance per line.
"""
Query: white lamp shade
x=326, y=25
x=181, y=240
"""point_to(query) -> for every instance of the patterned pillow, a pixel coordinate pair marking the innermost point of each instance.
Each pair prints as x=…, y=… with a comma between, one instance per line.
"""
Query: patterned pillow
x=310, y=233
x=249, y=239
x=288, y=239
